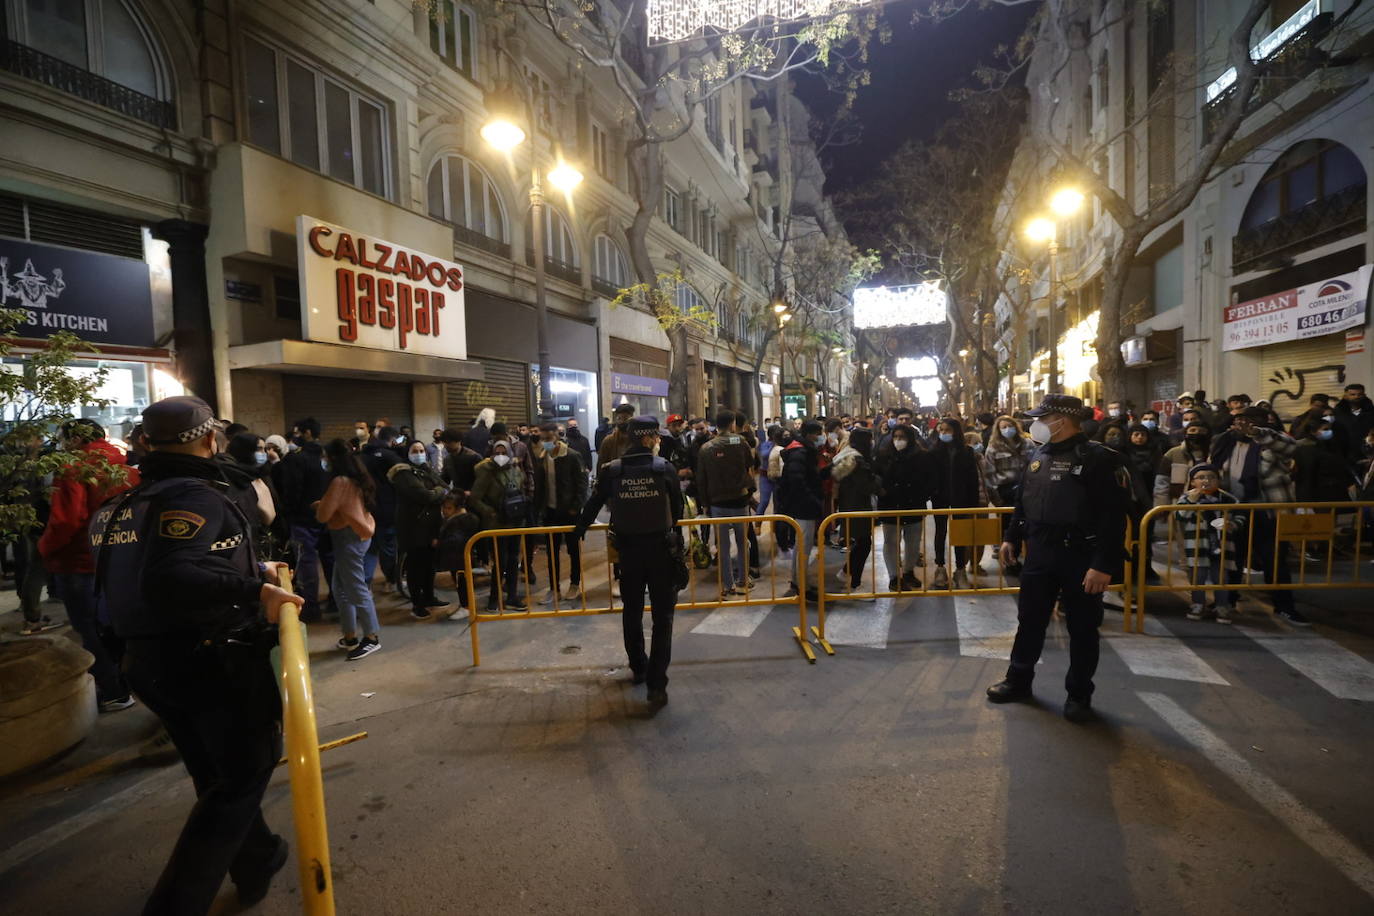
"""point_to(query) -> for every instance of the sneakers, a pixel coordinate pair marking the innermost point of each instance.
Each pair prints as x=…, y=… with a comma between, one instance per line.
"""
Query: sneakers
x=117, y=704
x=365, y=647
x=421, y=613
x=1296, y=617
x=894, y=585
x=1005, y=691
x=1196, y=612
x=941, y=578
x=41, y=625
x=961, y=579
x=910, y=582
x=1223, y=614
x=515, y=604
x=347, y=642
x=550, y=596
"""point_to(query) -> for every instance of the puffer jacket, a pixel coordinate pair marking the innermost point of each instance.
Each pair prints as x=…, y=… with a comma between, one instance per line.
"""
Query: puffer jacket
x=77, y=492
x=419, y=493
x=489, y=491
x=856, y=483
x=1171, y=477
x=799, y=487
x=1322, y=472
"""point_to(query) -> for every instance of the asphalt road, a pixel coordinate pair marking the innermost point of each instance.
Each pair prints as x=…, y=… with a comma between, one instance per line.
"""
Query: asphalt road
x=1229, y=773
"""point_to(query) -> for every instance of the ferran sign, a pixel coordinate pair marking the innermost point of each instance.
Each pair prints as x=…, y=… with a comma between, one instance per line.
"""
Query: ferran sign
x=367, y=292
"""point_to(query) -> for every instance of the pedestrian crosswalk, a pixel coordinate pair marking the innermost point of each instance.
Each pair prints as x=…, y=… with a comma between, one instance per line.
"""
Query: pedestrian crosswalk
x=1339, y=671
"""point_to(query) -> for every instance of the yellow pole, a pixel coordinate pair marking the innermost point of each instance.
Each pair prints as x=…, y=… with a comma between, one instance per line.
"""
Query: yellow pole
x=303, y=763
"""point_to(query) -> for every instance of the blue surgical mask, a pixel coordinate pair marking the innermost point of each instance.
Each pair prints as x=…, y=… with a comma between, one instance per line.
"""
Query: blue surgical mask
x=891, y=424
x=324, y=465
x=548, y=446
x=1009, y=432
x=260, y=457
x=1324, y=434
x=417, y=458
x=819, y=440
x=946, y=437
x=1149, y=424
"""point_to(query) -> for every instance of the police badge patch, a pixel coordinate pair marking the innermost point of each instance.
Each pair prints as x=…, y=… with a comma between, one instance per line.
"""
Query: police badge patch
x=179, y=525
x=1035, y=465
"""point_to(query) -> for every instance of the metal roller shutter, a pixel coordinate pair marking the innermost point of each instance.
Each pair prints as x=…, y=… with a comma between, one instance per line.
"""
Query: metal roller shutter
x=504, y=387
x=1290, y=373
x=338, y=403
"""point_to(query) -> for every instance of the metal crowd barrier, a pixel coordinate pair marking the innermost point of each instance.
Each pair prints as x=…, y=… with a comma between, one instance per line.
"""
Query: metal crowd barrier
x=1257, y=539
x=598, y=597
x=970, y=528
x=303, y=763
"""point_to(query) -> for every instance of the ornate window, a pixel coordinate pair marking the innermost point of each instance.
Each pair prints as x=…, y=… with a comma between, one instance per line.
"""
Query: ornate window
x=452, y=31
x=1310, y=171
x=460, y=192
x=609, y=265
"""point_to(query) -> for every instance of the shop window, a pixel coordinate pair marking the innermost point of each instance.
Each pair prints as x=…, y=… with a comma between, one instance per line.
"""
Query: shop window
x=573, y=395
x=460, y=192
x=318, y=122
x=126, y=388
x=1311, y=171
x=451, y=36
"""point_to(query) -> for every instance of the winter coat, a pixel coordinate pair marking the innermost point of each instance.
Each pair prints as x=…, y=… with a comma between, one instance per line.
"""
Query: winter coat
x=723, y=474
x=479, y=437
x=379, y=460
x=957, y=474
x=1005, y=461
x=799, y=486
x=569, y=484
x=1171, y=476
x=460, y=467
x=612, y=447
x=303, y=481
x=856, y=483
x=1202, y=543
x=490, y=489
x=1356, y=426
x=1322, y=472
x=64, y=545
x=1267, y=475
x=905, y=479
x=1142, y=463
x=454, y=533
x=579, y=444
x=419, y=492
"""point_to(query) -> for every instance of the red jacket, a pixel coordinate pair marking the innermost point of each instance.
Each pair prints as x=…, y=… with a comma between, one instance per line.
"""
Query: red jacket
x=64, y=546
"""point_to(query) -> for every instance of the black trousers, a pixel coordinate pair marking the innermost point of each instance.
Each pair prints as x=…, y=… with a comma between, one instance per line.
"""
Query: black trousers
x=859, y=532
x=223, y=712
x=553, y=541
x=420, y=576
x=1053, y=573
x=644, y=559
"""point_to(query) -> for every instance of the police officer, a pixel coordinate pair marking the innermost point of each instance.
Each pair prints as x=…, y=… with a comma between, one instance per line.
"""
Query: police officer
x=646, y=505
x=176, y=571
x=1071, y=514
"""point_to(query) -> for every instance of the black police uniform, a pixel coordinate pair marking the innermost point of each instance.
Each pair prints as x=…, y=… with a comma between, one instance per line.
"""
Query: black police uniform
x=646, y=504
x=1071, y=513
x=177, y=572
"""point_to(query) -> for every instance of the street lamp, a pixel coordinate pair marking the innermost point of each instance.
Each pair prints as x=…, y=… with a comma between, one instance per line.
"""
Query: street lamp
x=502, y=132
x=783, y=316
x=1064, y=203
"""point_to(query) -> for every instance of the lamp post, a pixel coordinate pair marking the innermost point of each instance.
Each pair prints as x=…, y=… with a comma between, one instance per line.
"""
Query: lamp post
x=783, y=316
x=1063, y=203
x=503, y=133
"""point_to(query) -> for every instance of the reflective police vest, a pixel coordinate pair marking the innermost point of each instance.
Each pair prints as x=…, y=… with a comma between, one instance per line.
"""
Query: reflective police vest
x=639, y=503
x=1054, y=490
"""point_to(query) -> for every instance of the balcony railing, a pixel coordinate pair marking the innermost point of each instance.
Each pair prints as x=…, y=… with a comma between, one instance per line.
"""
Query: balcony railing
x=1290, y=63
x=570, y=273
x=604, y=287
x=1332, y=217
x=33, y=64
x=480, y=240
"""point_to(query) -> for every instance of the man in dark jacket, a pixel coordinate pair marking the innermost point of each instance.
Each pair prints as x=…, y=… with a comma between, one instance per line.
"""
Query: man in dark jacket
x=304, y=479
x=799, y=487
x=614, y=445
x=459, y=461
x=724, y=487
x=560, y=492
x=379, y=456
x=579, y=443
x=1355, y=414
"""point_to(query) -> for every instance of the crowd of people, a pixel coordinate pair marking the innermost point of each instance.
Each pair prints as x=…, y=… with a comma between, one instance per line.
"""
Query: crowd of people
x=386, y=501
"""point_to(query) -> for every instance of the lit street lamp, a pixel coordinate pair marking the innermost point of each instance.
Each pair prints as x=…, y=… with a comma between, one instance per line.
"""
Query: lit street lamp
x=503, y=132
x=1064, y=203
x=784, y=316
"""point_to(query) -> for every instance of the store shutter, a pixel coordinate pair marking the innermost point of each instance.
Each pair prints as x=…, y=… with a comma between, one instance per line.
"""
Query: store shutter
x=338, y=403
x=1290, y=373
x=504, y=387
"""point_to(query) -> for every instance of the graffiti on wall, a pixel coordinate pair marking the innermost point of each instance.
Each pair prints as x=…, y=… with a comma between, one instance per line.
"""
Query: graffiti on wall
x=1293, y=386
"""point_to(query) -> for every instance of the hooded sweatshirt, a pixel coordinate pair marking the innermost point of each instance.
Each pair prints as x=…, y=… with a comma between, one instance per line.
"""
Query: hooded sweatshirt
x=64, y=546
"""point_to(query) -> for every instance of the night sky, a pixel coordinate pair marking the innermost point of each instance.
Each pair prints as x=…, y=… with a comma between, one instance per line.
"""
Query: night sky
x=913, y=75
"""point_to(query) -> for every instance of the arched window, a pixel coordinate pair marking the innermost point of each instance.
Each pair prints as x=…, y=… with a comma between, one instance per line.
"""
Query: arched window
x=104, y=37
x=1308, y=172
x=558, y=238
x=460, y=192
x=452, y=31
x=687, y=299
x=609, y=266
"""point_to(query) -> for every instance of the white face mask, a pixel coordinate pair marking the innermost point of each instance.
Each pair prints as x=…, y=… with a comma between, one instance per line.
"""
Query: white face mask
x=899, y=444
x=1040, y=432
x=501, y=460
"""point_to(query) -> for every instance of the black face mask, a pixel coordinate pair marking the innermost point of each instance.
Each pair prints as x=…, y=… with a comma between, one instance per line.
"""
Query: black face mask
x=1197, y=439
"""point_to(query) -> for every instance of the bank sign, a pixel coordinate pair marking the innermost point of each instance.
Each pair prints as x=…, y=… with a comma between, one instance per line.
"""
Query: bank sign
x=366, y=292
x=101, y=298
x=1334, y=304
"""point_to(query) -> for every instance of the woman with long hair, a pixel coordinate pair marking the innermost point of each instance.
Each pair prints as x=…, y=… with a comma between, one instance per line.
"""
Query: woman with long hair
x=1004, y=464
x=957, y=483
x=346, y=511
x=856, y=485
x=903, y=468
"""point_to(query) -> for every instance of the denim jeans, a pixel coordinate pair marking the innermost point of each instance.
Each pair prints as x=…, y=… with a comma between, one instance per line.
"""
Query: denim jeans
x=312, y=551
x=383, y=549
x=731, y=573
x=1209, y=575
x=900, y=553
x=351, y=592
x=78, y=594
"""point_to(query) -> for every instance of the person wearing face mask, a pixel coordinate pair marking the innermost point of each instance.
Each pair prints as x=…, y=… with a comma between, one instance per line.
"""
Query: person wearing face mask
x=580, y=444
x=904, y=471
x=1071, y=516
x=957, y=483
x=856, y=486
x=382, y=453
x=1142, y=455
x=1005, y=461
x=798, y=492
x=614, y=445
x=1355, y=414
x=646, y=504
x=725, y=486
x=499, y=496
x=419, y=492
x=346, y=512
x=1254, y=462
x=1209, y=541
x=305, y=474
x=1158, y=436
x=835, y=440
x=1322, y=471
x=560, y=492
x=1171, y=477
x=362, y=433
x=244, y=462
x=1317, y=410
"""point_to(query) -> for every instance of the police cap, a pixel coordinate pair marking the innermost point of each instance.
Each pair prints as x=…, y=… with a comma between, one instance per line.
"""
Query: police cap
x=1063, y=404
x=643, y=426
x=178, y=420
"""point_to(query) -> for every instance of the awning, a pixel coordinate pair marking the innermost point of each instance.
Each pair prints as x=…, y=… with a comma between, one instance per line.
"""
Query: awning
x=307, y=357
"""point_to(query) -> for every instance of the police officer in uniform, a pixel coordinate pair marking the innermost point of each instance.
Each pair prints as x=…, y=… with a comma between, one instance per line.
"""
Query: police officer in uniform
x=646, y=505
x=176, y=571
x=1071, y=514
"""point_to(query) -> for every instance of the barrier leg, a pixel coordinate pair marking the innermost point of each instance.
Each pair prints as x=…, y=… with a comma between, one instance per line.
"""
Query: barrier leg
x=800, y=576
x=819, y=631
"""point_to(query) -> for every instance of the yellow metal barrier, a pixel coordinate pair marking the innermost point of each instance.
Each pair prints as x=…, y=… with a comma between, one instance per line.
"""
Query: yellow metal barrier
x=303, y=761
x=1262, y=533
x=970, y=528
x=581, y=605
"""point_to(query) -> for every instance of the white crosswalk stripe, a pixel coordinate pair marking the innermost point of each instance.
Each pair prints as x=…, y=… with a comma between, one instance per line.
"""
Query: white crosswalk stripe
x=733, y=621
x=862, y=624
x=1159, y=653
x=1335, y=668
x=987, y=625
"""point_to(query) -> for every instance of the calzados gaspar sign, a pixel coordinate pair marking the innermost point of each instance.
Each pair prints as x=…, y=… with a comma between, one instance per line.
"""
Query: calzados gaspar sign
x=1320, y=308
x=367, y=292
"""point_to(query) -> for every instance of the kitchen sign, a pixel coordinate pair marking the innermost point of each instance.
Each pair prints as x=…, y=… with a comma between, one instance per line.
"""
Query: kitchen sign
x=366, y=292
x=1331, y=305
x=101, y=298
